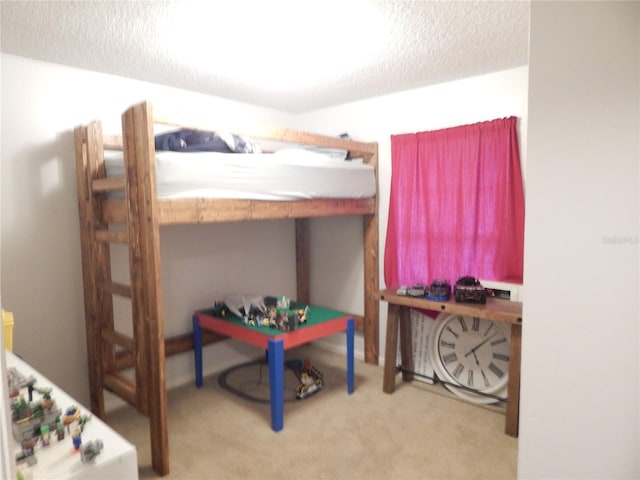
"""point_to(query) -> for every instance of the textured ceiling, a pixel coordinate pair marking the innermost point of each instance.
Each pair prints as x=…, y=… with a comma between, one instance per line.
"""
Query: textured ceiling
x=292, y=55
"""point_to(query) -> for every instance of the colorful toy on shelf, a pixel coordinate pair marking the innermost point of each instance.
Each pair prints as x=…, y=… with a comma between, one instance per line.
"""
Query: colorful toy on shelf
x=417, y=290
x=469, y=290
x=402, y=290
x=439, y=290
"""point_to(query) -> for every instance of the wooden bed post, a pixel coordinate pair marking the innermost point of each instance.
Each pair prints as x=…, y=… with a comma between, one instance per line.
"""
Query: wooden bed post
x=303, y=258
x=146, y=278
x=371, y=282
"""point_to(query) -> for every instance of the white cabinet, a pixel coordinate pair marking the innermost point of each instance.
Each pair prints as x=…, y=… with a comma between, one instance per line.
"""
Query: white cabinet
x=59, y=460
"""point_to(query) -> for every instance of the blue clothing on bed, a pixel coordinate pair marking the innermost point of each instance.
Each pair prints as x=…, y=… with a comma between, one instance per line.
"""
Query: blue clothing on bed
x=201, y=141
x=191, y=141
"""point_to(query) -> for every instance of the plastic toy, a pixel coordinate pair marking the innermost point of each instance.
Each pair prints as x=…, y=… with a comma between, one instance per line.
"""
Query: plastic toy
x=469, y=290
x=417, y=290
x=280, y=312
x=45, y=435
x=74, y=422
x=439, y=290
x=76, y=434
x=90, y=450
x=71, y=414
x=17, y=381
x=32, y=420
x=311, y=380
x=28, y=418
x=242, y=305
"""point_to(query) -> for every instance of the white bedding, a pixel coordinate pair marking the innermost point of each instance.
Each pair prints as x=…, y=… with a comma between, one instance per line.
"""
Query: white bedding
x=289, y=174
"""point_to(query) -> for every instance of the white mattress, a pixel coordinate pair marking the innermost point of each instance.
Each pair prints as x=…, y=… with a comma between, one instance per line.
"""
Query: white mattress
x=289, y=174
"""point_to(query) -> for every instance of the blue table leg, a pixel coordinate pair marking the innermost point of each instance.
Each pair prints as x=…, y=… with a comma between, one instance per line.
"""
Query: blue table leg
x=276, y=382
x=350, y=360
x=197, y=350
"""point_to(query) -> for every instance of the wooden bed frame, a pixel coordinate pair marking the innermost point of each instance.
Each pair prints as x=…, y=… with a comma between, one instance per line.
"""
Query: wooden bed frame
x=140, y=214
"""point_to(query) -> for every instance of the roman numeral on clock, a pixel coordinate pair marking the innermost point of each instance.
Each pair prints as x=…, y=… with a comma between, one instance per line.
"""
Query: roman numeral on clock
x=447, y=344
x=470, y=378
x=497, y=372
x=500, y=356
x=475, y=326
x=463, y=324
x=450, y=358
x=458, y=370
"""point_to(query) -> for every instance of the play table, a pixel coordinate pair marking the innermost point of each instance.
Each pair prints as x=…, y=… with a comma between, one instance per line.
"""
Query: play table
x=321, y=322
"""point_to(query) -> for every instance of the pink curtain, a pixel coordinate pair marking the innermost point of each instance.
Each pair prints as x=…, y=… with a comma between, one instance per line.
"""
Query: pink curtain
x=456, y=205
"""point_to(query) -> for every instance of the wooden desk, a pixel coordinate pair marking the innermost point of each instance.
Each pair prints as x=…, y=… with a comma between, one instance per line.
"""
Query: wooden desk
x=321, y=322
x=496, y=309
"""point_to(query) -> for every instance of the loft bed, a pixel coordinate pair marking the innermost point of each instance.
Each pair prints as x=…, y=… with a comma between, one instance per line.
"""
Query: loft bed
x=129, y=209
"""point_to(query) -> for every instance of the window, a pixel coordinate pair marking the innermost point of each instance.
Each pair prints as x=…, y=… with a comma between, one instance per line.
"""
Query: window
x=456, y=205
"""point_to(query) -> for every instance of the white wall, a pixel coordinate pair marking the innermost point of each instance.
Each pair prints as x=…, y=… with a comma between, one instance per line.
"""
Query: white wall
x=485, y=97
x=580, y=364
x=40, y=270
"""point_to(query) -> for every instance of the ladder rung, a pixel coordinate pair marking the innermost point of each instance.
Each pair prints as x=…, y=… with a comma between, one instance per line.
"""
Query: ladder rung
x=124, y=360
x=107, y=184
x=119, y=339
x=111, y=236
x=121, y=386
x=120, y=289
x=112, y=142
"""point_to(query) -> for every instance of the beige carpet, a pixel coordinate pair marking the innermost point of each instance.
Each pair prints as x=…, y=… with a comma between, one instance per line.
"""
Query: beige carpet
x=414, y=433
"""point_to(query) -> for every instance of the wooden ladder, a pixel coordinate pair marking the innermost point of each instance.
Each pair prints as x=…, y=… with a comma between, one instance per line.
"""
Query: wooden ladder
x=109, y=351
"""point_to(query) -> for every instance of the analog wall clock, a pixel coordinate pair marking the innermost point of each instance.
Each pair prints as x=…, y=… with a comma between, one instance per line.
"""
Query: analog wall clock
x=471, y=352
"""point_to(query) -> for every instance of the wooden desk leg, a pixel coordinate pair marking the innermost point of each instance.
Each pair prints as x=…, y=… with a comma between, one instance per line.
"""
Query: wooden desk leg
x=406, y=344
x=513, y=401
x=391, y=350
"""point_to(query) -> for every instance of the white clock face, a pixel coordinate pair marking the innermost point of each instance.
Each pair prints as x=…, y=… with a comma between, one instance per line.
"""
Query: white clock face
x=472, y=352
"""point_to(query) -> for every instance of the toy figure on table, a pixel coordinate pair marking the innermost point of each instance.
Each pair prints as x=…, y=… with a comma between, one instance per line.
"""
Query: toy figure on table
x=257, y=311
x=75, y=423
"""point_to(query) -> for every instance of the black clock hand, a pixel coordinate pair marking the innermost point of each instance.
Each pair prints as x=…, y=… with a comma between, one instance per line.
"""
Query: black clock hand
x=473, y=350
x=476, y=357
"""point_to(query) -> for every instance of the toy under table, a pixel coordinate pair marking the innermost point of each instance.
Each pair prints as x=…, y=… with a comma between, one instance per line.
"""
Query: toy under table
x=321, y=322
